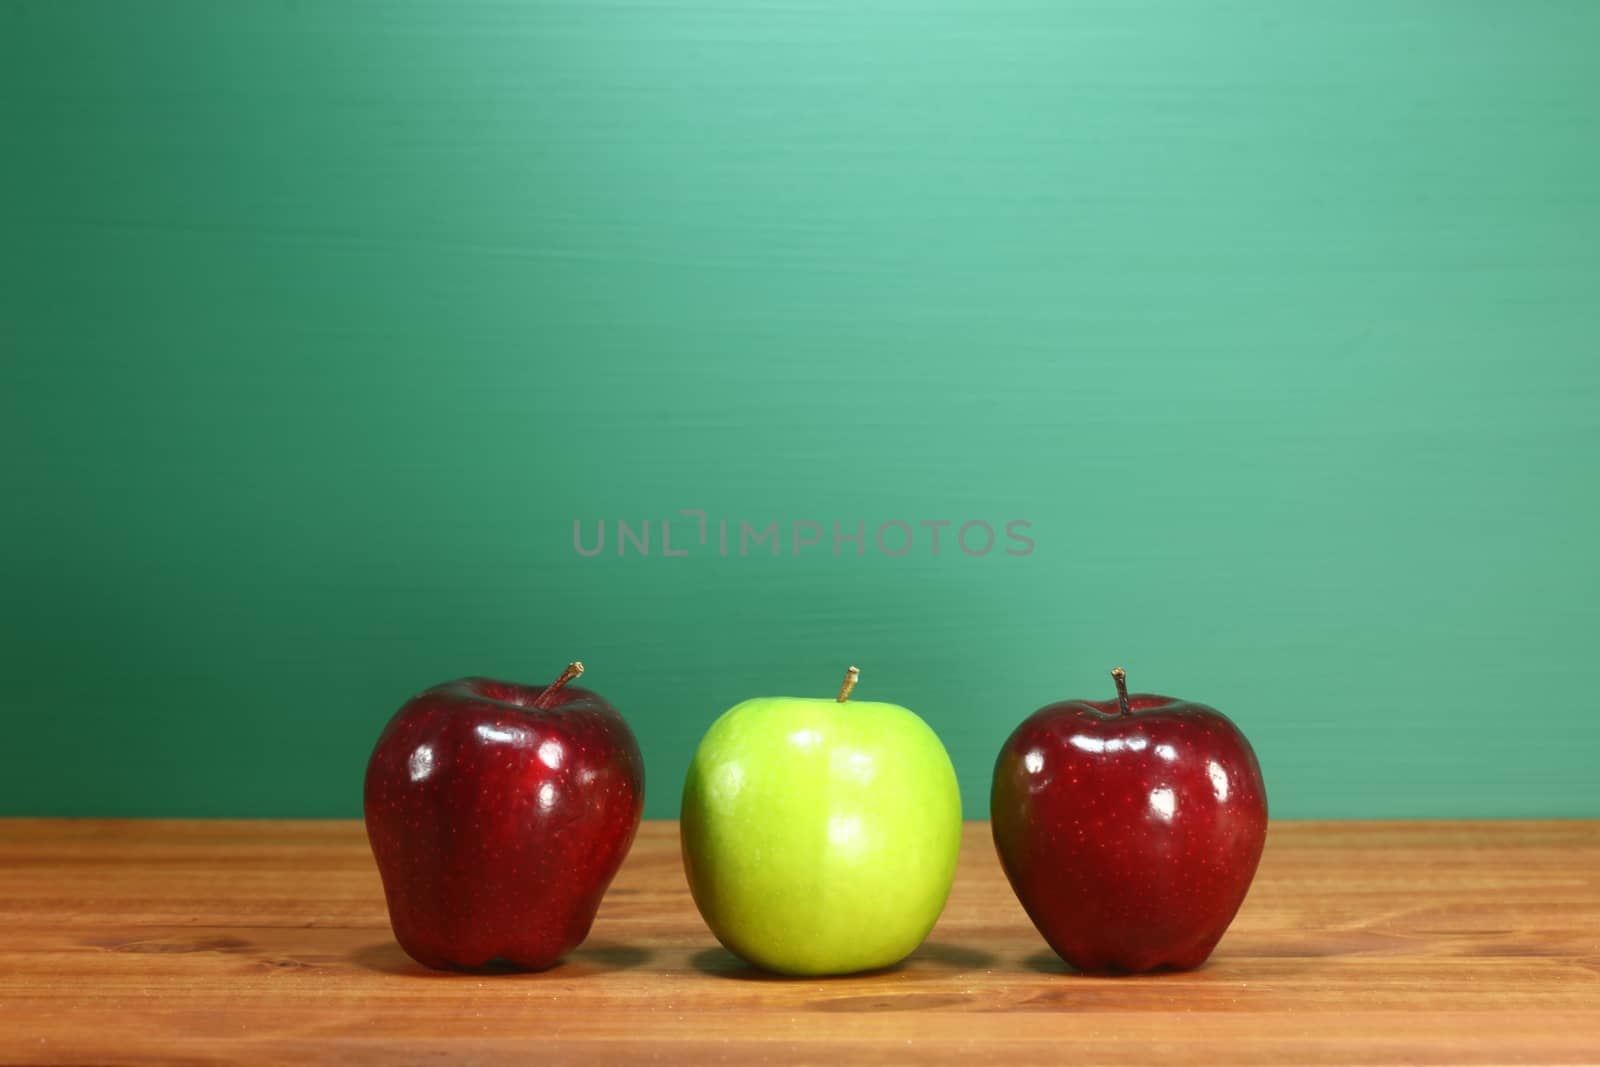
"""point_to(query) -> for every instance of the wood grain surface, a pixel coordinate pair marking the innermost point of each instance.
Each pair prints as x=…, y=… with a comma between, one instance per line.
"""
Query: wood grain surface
x=1361, y=943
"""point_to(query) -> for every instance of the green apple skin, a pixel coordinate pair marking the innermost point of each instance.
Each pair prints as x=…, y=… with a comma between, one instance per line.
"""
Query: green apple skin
x=820, y=837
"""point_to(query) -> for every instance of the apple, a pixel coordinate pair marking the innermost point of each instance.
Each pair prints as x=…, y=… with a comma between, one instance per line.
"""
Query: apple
x=1130, y=829
x=498, y=814
x=820, y=836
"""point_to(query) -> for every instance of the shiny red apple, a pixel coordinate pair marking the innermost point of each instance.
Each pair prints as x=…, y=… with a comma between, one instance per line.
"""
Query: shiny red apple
x=1130, y=829
x=499, y=813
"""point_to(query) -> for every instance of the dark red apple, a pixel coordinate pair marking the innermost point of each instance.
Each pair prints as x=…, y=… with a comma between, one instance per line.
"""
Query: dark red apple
x=499, y=813
x=1130, y=829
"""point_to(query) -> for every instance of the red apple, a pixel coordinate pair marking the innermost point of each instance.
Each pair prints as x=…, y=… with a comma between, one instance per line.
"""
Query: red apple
x=1130, y=829
x=499, y=813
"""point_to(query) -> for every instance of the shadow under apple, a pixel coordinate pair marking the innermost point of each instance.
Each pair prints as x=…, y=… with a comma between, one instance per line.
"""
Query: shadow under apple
x=1047, y=962
x=720, y=963
x=597, y=957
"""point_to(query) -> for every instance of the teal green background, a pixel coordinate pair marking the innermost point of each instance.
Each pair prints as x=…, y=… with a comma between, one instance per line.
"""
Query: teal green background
x=323, y=322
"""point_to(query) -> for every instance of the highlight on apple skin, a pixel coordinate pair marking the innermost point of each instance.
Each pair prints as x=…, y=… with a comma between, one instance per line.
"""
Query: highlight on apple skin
x=498, y=814
x=820, y=835
x=1130, y=829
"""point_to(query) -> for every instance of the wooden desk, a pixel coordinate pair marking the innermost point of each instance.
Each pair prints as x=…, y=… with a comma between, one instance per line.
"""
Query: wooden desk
x=1375, y=943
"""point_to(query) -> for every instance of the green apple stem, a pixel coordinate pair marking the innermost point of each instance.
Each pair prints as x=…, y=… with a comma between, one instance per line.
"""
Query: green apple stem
x=574, y=669
x=851, y=676
x=1120, y=676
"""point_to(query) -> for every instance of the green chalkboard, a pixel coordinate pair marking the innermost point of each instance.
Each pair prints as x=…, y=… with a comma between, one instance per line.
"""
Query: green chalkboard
x=1276, y=326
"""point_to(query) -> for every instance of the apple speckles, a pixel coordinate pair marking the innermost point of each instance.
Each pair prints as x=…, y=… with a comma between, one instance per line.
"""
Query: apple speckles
x=1131, y=839
x=503, y=847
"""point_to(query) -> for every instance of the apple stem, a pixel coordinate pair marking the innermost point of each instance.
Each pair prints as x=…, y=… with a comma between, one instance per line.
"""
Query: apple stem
x=1120, y=676
x=574, y=669
x=851, y=676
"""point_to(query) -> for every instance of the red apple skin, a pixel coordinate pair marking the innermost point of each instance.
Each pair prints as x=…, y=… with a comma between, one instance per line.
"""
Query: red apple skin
x=498, y=814
x=1131, y=839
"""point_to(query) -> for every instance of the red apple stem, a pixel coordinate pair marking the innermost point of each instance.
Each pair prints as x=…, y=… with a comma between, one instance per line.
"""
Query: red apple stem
x=851, y=677
x=574, y=669
x=1120, y=676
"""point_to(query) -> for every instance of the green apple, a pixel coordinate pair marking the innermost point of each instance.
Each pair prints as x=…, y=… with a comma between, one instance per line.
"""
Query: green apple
x=820, y=836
